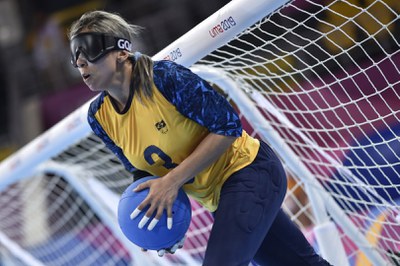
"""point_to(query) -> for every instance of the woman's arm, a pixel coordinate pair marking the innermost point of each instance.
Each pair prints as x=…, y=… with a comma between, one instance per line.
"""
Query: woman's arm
x=207, y=152
x=163, y=191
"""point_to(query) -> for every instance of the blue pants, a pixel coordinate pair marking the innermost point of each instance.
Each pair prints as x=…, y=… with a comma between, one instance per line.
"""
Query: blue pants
x=249, y=224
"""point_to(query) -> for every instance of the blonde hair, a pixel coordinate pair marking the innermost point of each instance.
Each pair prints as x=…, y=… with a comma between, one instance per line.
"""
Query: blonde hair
x=114, y=24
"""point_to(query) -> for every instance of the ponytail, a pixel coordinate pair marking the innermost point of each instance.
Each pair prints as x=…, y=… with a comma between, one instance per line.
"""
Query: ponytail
x=142, y=76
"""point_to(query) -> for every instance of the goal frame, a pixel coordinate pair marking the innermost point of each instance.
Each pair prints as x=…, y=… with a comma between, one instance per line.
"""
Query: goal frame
x=209, y=35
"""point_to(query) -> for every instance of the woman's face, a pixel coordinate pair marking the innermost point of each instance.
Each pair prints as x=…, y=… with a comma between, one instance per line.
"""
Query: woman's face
x=100, y=75
x=95, y=55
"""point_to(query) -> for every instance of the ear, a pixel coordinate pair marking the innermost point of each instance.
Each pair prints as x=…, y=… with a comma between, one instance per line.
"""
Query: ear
x=122, y=56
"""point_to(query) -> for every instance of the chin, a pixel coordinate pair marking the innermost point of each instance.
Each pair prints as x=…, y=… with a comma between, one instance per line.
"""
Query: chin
x=93, y=88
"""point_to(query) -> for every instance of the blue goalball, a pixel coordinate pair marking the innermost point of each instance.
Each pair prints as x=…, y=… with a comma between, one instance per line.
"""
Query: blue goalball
x=160, y=237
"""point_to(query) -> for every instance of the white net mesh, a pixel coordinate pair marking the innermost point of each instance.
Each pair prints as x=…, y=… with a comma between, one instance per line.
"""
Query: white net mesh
x=323, y=74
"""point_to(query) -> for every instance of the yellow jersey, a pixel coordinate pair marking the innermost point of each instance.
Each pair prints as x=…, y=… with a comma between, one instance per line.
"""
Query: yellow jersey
x=156, y=135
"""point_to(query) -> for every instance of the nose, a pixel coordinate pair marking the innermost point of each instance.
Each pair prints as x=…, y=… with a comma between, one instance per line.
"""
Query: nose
x=81, y=61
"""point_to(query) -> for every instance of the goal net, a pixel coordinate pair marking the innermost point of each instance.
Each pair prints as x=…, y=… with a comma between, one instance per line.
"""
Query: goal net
x=318, y=80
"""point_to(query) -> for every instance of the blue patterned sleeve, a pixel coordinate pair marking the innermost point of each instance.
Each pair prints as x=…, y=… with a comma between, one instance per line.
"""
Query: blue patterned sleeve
x=99, y=131
x=196, y=99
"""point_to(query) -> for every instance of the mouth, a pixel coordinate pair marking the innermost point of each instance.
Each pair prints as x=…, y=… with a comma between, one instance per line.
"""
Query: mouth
x=85, y=76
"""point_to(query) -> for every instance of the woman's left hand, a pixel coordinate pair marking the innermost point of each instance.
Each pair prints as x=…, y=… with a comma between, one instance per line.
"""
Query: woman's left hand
x=162, y=194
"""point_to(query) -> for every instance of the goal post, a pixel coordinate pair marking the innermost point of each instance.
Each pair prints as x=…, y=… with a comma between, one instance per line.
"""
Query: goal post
x=317, y=80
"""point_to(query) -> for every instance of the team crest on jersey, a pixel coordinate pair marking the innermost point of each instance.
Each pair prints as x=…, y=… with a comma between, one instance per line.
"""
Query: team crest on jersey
x=162, y=127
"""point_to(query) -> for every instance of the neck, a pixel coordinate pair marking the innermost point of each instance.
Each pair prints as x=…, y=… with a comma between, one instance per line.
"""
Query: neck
x=121, y=89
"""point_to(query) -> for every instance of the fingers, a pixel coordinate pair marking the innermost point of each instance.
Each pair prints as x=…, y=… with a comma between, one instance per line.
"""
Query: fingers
x=143, y=222
x=146, y=218
x=169, y=215
x=177, y=245
x=157, y=217
x=152, y=224
x=169, y=223
x=154, y=221
x=135, y=213
x=181, y=242
x=141, y=186
x=172, y=249
x=156, y=202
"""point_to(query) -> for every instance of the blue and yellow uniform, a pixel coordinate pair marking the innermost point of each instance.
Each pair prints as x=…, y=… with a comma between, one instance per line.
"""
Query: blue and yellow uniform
x=247, y=183
x=156, y=135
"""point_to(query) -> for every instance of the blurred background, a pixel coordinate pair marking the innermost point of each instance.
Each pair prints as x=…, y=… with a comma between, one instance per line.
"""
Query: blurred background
x=38, y=85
